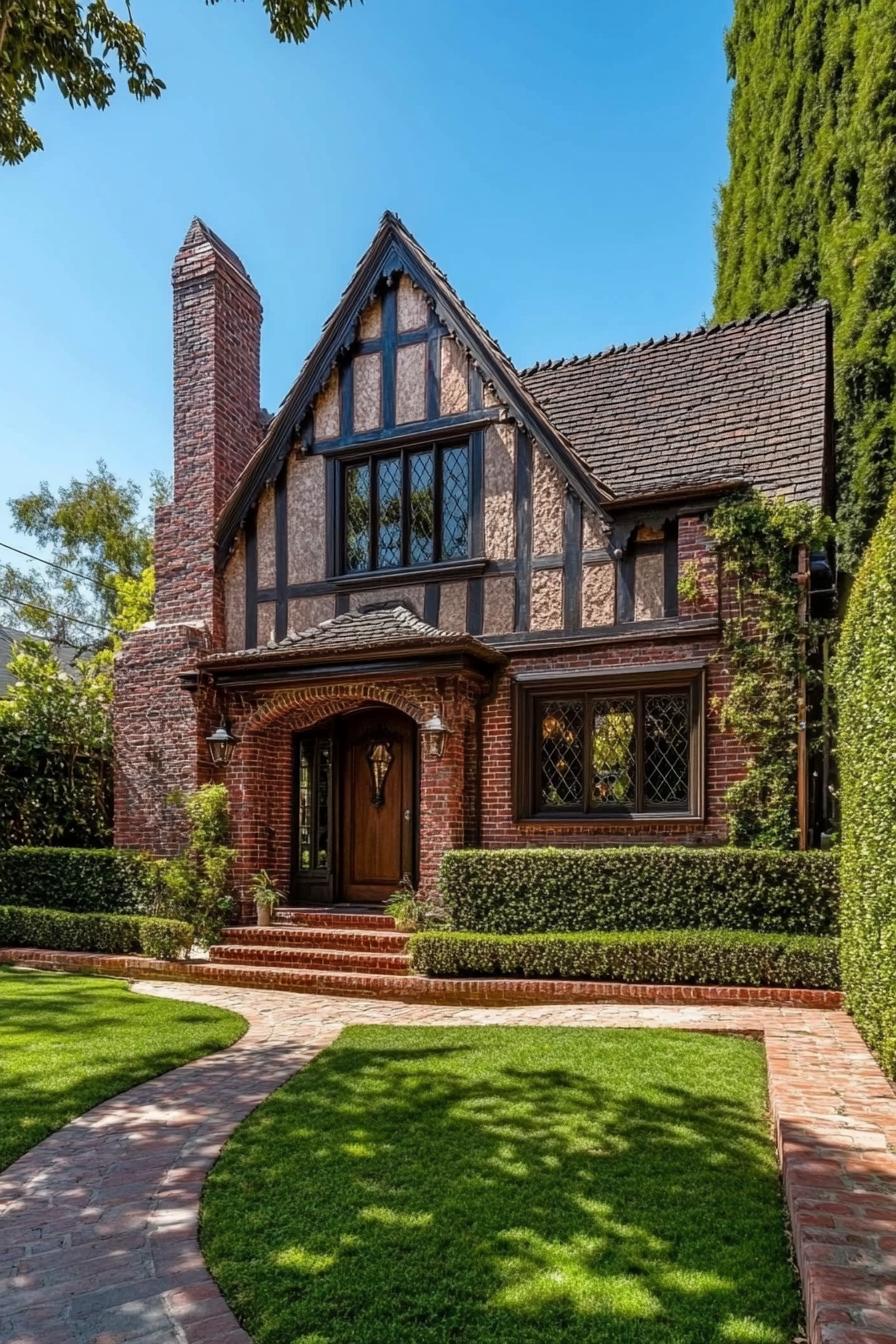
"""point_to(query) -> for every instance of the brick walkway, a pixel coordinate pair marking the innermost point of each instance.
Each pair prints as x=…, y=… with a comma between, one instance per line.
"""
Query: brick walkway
x=98, y=1223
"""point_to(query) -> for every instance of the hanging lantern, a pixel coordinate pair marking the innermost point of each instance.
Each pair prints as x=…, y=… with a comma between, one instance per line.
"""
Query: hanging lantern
x=379, y=761
x=221, y=744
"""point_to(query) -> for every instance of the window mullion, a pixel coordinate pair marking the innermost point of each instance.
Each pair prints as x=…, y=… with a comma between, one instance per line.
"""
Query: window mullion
x=373, y=513
x=588, y=748
x=436, y=502
x=405, y=506
x=639, y=751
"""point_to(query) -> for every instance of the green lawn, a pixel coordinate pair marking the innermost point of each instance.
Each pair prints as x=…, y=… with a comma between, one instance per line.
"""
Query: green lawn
x=509, y=1185
x=69, y=1041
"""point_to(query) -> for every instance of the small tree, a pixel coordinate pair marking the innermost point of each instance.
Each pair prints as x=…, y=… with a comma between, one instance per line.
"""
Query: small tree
x=198, y=884
x=55, y=752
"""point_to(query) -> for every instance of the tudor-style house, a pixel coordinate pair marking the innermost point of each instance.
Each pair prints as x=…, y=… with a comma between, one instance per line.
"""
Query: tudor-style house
x=434, y=599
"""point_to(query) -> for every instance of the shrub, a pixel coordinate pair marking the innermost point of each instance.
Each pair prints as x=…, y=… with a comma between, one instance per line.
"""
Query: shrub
x=866, y=700
x=542, y=890
x=65, y=931
x=111, y=880
x=198, y=884
x=676, y=957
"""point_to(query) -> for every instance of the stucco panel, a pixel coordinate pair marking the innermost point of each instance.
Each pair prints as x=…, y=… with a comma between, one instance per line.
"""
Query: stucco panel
x=411, y=596
x=326, y=409
x=454, y=396
x=453, y=607
x=548, y=490
x=411, y=305
x=498, y=476
x=266, y=545
x=410, y=383
x=306, y=519
x=267, y=621
x=598, y=595
x=370, y=323
x=499, y=591
x=649, y=586
x=303, y=612
x=546, y=603
x=235, y=597
x=592, y=537
x=367, y=381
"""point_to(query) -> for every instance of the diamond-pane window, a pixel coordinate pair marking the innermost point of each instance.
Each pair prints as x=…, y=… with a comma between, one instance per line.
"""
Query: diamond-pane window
x=614, y=754
x=562, y=758
x=421, y=508
x=419, y=514
x=388, y=483
x=667, y=748
x=357, y=518
x=455, y=502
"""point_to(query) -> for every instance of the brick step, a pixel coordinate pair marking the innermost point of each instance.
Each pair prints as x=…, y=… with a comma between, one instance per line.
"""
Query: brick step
x=309, y=958
x=331, y=917
x=299, y=935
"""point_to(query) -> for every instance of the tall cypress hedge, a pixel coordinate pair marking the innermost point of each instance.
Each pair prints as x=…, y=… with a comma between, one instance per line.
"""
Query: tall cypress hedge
x=809, y=210
x=866, y=694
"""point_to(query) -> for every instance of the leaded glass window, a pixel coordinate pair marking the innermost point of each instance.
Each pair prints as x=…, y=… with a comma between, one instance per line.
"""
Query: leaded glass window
x=627, y=752
x=314, y=764
x=406, y=508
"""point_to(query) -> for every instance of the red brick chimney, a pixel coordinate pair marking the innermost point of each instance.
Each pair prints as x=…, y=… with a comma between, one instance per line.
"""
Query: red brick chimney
x=217, y=330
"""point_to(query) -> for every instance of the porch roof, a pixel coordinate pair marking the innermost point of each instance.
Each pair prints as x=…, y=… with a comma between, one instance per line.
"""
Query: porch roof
x=357, y=636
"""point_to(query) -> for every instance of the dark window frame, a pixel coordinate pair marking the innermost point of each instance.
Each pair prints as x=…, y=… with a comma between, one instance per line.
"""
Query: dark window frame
x=625, y=588
x=531, y=690
x=371, y=456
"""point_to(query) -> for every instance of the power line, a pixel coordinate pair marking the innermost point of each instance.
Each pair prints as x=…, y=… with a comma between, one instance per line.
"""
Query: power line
x=61, y=615
x=96, y=583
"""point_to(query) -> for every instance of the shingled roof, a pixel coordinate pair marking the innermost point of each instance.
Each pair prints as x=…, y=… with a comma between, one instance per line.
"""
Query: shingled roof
x=381, y=629
x=745, y=401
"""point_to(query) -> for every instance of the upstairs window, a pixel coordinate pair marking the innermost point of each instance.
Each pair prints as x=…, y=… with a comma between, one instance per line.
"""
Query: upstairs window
x=406, y=508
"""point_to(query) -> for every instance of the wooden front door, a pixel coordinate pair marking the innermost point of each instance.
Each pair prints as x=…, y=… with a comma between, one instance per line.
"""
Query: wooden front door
x=378, y=804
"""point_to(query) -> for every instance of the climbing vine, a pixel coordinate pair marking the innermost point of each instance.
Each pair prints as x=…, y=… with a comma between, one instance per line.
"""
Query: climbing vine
x=768, y=647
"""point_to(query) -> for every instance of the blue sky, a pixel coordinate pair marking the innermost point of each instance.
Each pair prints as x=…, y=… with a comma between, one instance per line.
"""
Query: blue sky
x=559, y=162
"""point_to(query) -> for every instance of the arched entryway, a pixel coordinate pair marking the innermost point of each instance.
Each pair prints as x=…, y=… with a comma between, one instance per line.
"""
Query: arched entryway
x=355, y=815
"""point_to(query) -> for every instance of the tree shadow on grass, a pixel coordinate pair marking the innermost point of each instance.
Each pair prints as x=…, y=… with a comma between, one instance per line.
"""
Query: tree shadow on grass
x=508, y=1184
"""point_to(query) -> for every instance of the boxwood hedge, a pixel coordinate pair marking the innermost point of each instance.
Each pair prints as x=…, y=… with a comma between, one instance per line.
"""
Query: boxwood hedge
x=655, y=887
x=866, y=752
x=64, y=931
x=112, y=880
x=674, y=957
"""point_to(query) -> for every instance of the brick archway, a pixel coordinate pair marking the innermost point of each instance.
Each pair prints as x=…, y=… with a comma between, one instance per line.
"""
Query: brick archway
x=311, y=704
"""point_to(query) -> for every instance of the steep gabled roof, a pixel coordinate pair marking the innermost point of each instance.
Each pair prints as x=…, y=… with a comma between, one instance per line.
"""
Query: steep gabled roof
x=395, y=249
x=745, y=401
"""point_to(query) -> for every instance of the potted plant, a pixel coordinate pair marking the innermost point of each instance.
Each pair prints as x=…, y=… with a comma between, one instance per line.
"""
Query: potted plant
x=413, y=910
x=265, y=895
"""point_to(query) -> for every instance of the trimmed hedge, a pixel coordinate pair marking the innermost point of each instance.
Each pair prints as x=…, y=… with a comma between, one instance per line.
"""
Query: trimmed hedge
x=655, y=887
x=115, y=881
x=866, y=753
x=64, y=931
x=674, y=957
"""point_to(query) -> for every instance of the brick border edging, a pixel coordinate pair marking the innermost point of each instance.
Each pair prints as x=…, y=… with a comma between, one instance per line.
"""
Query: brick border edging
x=481, y=991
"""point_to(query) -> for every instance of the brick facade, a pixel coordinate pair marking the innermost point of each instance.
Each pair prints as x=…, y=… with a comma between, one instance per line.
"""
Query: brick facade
x=558, y=584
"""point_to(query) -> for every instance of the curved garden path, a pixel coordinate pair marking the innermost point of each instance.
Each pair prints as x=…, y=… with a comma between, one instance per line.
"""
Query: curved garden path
x=98, y=1224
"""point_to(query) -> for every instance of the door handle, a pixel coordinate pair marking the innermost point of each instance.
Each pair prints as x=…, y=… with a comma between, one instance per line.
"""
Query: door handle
x=407, y=814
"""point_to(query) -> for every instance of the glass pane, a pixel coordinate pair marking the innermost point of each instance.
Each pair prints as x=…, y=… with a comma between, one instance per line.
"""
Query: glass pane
x=562, y=756
x=306, y=772
x=388, y=482
x=455, y=502
x=421, y=484
x=357, y=518
x=613, y=755
x=323, y=805
x=667, y=740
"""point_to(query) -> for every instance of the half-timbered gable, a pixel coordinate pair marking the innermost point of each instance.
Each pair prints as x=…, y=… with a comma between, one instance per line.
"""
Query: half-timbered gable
x=434, y=598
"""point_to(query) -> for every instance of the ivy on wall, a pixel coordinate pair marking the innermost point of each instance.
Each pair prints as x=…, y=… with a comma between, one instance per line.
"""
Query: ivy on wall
x=768, y=647
x=809, y=211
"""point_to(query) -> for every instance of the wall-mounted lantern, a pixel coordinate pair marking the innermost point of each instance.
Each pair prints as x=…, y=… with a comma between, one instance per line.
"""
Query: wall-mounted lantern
x=221, y=744
x=435, y=735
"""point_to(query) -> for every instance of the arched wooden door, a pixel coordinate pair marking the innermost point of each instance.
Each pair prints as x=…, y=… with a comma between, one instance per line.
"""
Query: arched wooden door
x=379, y=814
